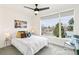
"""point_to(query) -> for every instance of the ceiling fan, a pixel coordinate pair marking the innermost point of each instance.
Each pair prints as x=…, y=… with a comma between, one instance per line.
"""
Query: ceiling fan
x=36, y=9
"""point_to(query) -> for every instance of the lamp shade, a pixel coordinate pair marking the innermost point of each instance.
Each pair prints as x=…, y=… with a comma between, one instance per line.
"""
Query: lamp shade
x=7, y=34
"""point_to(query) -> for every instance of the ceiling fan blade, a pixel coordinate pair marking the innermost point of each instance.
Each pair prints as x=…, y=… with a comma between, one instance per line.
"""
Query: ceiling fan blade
x=41, y=9
x=28, y=7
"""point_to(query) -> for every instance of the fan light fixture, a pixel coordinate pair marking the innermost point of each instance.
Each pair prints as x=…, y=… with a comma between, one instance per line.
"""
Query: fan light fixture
x=36, y=12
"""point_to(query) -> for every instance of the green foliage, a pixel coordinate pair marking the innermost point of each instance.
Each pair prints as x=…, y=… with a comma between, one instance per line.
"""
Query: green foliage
x=70, y=28
x=71, y=21
x=62, y=32
x=56, y=31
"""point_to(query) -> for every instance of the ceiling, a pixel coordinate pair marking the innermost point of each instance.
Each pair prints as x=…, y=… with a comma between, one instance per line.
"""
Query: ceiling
x=53, y=8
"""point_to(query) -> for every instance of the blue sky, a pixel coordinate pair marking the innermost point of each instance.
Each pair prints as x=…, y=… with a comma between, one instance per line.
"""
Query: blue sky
x=54, y=21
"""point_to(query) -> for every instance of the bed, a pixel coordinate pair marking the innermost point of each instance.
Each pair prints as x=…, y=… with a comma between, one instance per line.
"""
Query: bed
x=31, y=45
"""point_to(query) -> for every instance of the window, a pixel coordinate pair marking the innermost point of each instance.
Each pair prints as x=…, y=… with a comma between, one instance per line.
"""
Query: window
x=48, y=25
x=66, y=26
x=58, y=25
x=67, y=23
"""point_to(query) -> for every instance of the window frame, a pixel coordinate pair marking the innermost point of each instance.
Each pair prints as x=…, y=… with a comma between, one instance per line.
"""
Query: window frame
x=60, y=21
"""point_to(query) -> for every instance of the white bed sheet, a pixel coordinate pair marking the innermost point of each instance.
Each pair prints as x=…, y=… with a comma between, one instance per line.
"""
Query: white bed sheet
x=30, y=46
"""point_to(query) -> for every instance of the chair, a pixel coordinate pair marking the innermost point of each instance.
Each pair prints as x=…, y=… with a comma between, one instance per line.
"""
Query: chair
x=70, y=44
x=70, y=41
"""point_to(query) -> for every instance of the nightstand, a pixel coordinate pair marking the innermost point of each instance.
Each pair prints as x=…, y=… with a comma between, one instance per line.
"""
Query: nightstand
x=7, y=41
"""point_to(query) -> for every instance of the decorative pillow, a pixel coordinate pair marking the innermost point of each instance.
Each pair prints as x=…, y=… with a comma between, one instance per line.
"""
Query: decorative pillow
x=28, y=34
x=21, y=34
x=18, y=35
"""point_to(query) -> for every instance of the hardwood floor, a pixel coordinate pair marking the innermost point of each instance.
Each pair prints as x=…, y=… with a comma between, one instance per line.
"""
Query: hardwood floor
x=9, y=50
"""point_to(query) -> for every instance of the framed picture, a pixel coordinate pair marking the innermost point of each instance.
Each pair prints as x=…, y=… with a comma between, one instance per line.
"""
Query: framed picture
x=20, y=24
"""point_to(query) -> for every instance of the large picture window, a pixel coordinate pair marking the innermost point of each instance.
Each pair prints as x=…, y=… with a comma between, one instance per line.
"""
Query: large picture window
x=58, y=25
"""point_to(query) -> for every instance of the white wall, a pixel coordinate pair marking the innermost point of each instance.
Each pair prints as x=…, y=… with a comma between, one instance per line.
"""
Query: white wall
x=35, y=24
x=7, y=17
x=76, y=26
